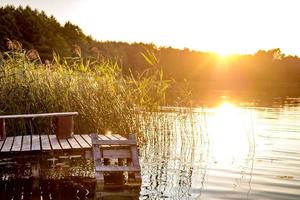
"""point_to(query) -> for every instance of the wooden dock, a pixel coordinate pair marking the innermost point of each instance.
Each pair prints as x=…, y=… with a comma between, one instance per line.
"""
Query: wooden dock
x=47, y=143
x=30, y=143
x=102, y=149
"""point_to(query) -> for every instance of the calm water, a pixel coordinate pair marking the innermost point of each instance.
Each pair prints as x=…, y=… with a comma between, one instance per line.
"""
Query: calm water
x=229, y=151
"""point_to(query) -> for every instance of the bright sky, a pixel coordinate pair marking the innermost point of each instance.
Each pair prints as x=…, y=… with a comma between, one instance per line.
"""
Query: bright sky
x=223, y=26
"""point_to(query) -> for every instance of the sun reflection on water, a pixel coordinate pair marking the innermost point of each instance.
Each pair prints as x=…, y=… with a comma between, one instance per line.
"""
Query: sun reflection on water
x=229, y=133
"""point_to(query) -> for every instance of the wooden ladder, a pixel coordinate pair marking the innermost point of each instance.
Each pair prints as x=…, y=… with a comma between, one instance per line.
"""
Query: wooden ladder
x=123, y=149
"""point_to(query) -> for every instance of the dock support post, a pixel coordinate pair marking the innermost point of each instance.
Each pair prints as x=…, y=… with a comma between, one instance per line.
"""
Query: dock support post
x=98, y=161
x=2, y=129
x=135, y=158
x=35, y=170
x=64, y=127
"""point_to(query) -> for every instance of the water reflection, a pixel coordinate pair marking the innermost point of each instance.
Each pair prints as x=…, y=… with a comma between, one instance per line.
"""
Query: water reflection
x=230, y=151
x=230, y=134
x=226, y=152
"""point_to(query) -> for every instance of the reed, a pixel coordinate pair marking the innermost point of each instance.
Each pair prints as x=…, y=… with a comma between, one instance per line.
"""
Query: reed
x=106, y=99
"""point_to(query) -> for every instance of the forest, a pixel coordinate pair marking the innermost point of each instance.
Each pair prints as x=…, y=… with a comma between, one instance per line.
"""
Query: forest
x=265, y=71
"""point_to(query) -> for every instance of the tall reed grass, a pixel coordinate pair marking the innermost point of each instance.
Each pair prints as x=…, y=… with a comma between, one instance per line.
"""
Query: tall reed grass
x=106, y=99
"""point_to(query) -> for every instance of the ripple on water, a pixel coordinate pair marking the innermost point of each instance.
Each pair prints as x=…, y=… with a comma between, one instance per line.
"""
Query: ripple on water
x=214, y=162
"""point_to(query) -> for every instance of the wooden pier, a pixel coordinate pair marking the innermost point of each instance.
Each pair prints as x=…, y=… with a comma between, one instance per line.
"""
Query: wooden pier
x=112, y=154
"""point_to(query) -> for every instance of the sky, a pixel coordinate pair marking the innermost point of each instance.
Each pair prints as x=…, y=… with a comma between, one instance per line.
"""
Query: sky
x=222, y=26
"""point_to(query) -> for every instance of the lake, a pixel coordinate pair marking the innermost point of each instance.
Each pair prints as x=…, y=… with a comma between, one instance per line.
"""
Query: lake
x=229, y=151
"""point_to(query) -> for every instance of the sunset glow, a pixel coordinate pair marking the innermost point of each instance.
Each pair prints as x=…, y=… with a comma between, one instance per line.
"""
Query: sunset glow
x=229, y=133
x=225, y=27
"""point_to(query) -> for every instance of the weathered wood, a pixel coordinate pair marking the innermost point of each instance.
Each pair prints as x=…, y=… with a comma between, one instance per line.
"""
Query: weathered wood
x=74, y=144
x=118, y=153
x=35, y=170
x=115, y=142
x=26, y=144
x=134, y=151
x=64, y=144
x=115, y=194
x=112, y=137
x=81, y=141
x=45, y=143
x=117, y=168
x=112, y=146
x=135, y=157
x=1, y=144
x=87, y=138
x=48, y=143
x=103, y=137
x=2, y=129
x=103, y=147
x=120, y=137
x=64, y=127
x=98, y=161
x=7, y=144
x=54, y=142
x=35, y=143
x=38, y=115
x=64, y=122
x=17, y=143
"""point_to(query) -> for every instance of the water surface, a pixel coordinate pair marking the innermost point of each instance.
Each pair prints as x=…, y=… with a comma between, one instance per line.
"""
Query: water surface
x=230, y=151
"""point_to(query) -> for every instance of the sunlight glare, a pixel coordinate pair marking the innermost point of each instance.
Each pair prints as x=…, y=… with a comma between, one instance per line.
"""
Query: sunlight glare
x=228, y=135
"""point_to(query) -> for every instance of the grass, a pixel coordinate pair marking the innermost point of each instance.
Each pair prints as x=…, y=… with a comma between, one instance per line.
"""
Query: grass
x=105, y=99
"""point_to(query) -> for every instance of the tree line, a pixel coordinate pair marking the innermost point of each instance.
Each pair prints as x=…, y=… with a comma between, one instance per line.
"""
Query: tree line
x=35, y=30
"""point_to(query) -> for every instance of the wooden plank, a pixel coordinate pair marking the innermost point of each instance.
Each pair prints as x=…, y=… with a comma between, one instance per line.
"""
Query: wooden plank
x=45, y=143
x=87, y=138
x=119, y=136
x=134, y=157
x=7, y=144
x=117, y=169
x=54, y=142
x=74, y=144
x=64, y=144
x=17, y=143
x=81, y=141
x=98, y=161
x=26, y=145
x=134, y=151
x=115, y=142
x=118, y=153
x=112, y=137
x=1, y=143
x=35, y=143
x=64, y=126
x=2, y=129
x=38, y=115
x=103, y=137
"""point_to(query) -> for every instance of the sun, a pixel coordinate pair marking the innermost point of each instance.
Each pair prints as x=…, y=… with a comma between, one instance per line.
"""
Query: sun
x=224, y=53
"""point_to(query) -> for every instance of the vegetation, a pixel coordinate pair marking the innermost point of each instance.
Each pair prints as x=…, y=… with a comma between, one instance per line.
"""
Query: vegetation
x=264, y=71
x=105, y=98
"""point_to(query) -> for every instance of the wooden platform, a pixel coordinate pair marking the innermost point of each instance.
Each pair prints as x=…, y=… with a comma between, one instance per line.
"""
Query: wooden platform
x=34, y=143
x=103, y=149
